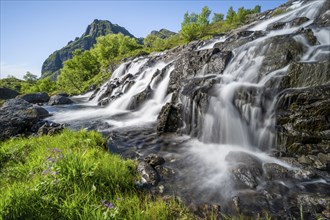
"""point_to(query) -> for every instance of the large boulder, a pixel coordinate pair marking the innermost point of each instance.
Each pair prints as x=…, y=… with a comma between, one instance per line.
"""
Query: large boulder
x=6, y=93
x=59, y=100
x=39, y=97
x=17, y=116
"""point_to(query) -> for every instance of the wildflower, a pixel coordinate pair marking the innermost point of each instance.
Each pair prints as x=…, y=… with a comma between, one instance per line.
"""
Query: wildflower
x=56, y=150
x=118, y=199
x=45, y=172
x=109, y=205
x=51, y=159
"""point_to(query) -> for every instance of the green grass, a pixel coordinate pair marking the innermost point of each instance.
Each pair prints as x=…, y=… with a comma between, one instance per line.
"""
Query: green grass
x=72, y=176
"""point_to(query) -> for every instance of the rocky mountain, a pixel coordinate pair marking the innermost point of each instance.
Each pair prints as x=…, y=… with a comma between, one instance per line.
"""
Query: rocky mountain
x=54, y=62
x=163, y=33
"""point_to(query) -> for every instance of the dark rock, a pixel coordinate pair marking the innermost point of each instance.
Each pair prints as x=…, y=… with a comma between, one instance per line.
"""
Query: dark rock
x=246, y=169
x=169, y=118
x=154, y=160
x=6, y=93
x=17, y=116
x=50, y=129
x=307, y=74
x=149, y=176
x=59, y=100
x=309, y=204
x=303, y=121
x=42, y=113
x=137, y=100
x=39, y=97
x=281, y=50
x=280, y=25
x=63, y=94
x=275, y=171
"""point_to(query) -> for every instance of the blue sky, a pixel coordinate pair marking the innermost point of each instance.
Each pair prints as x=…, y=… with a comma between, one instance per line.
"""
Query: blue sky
x=32, y=30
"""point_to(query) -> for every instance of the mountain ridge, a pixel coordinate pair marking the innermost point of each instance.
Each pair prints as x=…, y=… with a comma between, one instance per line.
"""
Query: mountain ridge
x=52, y=65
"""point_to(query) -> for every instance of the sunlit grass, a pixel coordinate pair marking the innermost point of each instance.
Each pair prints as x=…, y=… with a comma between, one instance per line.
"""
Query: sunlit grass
x=72, y=176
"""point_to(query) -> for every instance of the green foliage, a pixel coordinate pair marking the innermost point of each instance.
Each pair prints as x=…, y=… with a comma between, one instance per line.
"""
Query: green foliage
x=81, y=68
x=29, y=77
x=113, y=47
x=14, y=84
x=73, y=176
x=278, y=12
x=217, y=17
x=194, y=26
x=42, y=85
x=231, y=14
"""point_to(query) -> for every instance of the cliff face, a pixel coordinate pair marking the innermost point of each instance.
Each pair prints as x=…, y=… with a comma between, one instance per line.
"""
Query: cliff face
x=97, y=28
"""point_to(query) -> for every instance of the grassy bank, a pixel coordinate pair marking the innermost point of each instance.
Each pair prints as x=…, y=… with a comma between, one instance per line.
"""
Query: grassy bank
x=72, y=176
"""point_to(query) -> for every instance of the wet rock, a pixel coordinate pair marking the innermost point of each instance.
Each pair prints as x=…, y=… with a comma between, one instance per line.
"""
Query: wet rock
x=303, y=121
x=246, y=169
x=42, y=113
x=154, y=160
x=39, y=97
x=279, y=51
x=17, y=116
x=275, y=171
x=165, y=173
x=137, y=100
x=310, y=37
x=309, y=204
x=250, y=203
x=149, y=176
x=293, y=23
x=6, y=93
x=307, y=75
x=50, y=128
x=59, y=100
x=169, y=118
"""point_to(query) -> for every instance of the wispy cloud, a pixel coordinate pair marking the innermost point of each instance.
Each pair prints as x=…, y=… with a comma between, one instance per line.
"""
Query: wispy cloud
x=17, y=70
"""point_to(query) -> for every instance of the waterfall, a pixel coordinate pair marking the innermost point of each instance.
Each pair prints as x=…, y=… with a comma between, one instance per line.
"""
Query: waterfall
x=228, y=106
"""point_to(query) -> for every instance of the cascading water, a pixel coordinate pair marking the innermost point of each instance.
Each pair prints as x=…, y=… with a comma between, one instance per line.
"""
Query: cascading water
x=228, y=110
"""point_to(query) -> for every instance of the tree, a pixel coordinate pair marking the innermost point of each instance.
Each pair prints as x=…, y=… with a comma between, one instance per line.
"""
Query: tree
x=257, y=9
x=203, y=17
x=194, y=25
x=217, y=17
x=231, y=14
x=29, y=77
x=240, y=16
x=82, y=67
x=112, y=47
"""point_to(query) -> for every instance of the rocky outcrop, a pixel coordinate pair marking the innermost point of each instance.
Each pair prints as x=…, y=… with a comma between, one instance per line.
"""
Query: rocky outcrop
x=17, y=117
x=40, y=97
x=6, y=93
x=54, y=62
x=59, y=100
x=303, y=121
x=169, y=119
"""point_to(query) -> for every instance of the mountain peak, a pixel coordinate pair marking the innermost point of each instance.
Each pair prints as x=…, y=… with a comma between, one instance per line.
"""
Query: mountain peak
x=97, y=28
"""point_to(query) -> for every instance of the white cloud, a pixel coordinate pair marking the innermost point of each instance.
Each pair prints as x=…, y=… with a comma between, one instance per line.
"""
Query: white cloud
x=17, y=70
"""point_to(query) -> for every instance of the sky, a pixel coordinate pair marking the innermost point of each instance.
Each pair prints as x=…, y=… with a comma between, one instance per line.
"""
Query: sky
x=33, y=29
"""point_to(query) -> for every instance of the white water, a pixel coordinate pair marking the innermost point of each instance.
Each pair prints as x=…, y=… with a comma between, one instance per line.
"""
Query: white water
x=231, y=124
x=149, y=110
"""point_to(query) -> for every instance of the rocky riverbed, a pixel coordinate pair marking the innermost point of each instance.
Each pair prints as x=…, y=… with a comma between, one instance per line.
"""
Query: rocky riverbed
x=238, y=124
